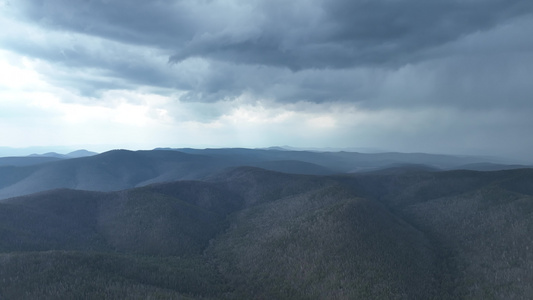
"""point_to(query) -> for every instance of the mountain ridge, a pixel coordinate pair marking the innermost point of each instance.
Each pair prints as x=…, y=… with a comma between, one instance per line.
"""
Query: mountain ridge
x=122, y=169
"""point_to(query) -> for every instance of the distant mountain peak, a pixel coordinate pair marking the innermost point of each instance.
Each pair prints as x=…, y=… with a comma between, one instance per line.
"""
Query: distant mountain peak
x=73, y=154
x=277, y=148
x=80, y=153
x=48, y=154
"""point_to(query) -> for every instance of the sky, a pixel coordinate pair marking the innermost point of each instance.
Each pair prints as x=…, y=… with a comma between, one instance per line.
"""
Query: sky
x=439, y=76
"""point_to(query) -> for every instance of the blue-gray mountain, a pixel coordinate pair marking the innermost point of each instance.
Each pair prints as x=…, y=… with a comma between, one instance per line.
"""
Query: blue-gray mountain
x=122, y=169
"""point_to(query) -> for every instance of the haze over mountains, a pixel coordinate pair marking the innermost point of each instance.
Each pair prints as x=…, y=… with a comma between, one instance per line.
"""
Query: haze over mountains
x=265, y=224
x=34, y=159
x=122, y=169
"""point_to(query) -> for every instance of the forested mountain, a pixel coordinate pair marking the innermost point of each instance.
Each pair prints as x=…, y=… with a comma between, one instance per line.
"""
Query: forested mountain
x=250, y=233
x=121, y=169
x=109, y=171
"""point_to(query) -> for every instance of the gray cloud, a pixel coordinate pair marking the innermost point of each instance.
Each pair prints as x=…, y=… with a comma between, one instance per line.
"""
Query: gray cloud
x=341, y=34
x=298, y=35
x=380, y=53
x=162, y=23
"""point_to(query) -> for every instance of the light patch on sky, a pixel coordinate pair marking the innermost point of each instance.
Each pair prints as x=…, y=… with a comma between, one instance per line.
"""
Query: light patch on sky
x=13, y=77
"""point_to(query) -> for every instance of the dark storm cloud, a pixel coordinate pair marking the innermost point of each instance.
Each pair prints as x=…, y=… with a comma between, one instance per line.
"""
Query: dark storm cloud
x=162, y=23
x=341, y=34
x=225, y=80
x=296, y=34
x=378, y=53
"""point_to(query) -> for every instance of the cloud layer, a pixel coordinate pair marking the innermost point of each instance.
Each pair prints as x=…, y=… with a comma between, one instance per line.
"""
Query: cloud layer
x=395, y=74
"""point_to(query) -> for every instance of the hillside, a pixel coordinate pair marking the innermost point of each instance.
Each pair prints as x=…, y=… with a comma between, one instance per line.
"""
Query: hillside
x=121, y=169
x=324, y=244
x=480, y=221
x=133, y=244
x=171, y=219
x=25, y=161
x=250, y=233
x=110, y=171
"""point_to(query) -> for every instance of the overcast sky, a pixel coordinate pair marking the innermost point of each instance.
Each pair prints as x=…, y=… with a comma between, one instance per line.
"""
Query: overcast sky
x=439, y=76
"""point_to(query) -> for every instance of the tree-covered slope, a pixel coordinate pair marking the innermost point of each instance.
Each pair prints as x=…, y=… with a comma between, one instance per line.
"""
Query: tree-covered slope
x=134, y=244
x=480, y=223
x=105, y=275
x=324, y=244
x=248, y=233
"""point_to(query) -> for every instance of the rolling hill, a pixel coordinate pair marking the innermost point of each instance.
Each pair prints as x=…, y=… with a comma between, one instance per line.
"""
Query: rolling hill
x=109, y=171
x=133, y=244
x=121, y=169
x=246, y=232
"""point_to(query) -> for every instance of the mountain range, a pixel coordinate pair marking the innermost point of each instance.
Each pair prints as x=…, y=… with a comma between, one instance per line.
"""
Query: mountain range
x=265, y=224
x=122, y=169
